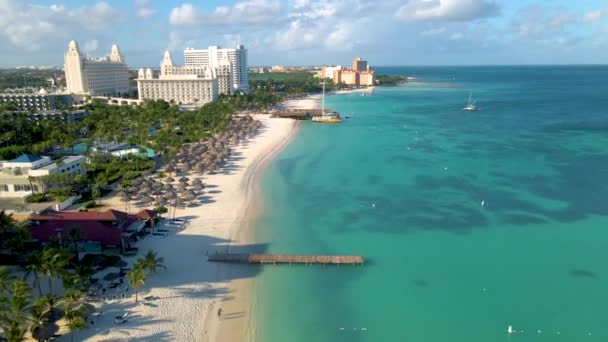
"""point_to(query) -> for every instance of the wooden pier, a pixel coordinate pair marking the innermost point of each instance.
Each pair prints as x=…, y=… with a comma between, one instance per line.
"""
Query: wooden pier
x=286, y=259
x=299, y=114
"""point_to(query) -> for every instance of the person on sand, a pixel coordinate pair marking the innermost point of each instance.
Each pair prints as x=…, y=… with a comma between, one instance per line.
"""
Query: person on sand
x=219, y=312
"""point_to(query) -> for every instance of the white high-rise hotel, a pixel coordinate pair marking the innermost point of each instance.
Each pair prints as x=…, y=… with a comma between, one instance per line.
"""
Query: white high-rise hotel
x=106, y=76
x=213, y=57
x=189, y=84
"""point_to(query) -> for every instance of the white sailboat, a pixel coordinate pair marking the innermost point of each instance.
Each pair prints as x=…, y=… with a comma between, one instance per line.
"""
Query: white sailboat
x=470, y=107
x=326, y=117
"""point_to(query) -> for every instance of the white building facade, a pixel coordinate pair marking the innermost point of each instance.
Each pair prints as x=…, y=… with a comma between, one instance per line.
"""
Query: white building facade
x=182, y=85
x=214, y=56
x=20, y=177
x=107, y=76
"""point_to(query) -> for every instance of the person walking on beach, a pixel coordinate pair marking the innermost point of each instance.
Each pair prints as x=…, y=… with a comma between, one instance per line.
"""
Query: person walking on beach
x=219, y=312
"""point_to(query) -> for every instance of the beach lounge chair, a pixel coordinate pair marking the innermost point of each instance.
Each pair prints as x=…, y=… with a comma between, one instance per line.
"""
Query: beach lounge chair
x=121, y=319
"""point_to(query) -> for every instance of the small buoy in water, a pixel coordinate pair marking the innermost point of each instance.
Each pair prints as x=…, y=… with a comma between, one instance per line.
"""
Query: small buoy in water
x=484, y=289
x=445, y=168
x=364, y=329
x=483, y=203
x=341, y=328
x=539, y=331
x=510, y=329
x=373, y=205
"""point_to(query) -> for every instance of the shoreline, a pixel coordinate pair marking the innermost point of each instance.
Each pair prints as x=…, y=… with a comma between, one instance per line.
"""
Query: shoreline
x=245, y=329
x=188, y=293
x=242, y=289
x=185, y=294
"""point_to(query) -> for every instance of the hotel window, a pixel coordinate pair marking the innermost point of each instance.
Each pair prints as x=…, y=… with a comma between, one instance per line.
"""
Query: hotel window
x=3, y=187
x=23, y=187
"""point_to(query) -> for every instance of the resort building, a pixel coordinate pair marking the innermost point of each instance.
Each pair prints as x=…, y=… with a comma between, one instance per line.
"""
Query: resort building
x=182, y=85
x=360, y=74
x=107, y=76
x=328, y=71
x=111, y=229
x=20, y=177
x=359, y=64
x=41, y=100
x=214, y=57
x=68, y=116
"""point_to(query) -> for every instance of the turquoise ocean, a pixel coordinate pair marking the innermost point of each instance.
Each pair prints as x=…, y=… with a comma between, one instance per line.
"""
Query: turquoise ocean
x=402, y=183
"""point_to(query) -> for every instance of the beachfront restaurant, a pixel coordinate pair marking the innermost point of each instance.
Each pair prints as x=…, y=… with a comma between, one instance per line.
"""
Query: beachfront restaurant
x=112, y=231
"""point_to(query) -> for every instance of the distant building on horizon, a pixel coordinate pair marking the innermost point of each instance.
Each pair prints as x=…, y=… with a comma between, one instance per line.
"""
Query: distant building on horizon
x=360, y=74
x=214, y=56
x=328, y=71
x=184, y=85
x=107, y=76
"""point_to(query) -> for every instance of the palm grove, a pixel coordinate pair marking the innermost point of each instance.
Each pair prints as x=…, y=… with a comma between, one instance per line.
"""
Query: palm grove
x=51, y=287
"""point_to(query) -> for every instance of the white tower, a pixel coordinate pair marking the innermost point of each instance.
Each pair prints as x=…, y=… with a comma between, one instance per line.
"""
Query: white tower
x=167, y=63
x=115, y=55
x=74, y=76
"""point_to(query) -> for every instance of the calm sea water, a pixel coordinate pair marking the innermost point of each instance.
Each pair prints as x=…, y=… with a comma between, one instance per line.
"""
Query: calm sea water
x=402, y=183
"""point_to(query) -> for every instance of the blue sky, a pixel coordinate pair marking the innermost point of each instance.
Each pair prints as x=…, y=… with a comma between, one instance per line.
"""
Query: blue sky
x=312, y=32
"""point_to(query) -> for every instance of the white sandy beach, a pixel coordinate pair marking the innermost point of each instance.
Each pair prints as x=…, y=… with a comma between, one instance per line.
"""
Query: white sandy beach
x=187, y=294
x=305, y=102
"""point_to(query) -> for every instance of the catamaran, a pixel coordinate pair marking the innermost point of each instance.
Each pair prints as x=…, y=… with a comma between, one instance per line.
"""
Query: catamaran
x=471, y=104
x=326, y=117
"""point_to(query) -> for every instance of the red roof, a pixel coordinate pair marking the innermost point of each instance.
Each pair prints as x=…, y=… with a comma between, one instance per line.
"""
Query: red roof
x=102, y=232
x=147, y=214
x=104, y=227
x=109, y=215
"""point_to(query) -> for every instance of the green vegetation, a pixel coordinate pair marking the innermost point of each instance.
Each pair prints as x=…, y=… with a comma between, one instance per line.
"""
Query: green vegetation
x=390, y=79
x=19, y=312
x=18, y=78
x=142, y=269
x=89, y=204
x=289, y=83
x=36, y=198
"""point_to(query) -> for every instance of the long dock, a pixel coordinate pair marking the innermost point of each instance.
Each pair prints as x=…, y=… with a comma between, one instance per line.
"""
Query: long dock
x=285, y=259
x=299, y=114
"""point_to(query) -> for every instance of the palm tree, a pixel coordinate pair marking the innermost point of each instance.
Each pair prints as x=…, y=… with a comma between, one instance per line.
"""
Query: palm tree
x=40, y=313
x=152, y=261
x=16, y=242
x=74, y=235
x=53, y=263
x=34, y=266
x=15, y=319
x=74, y=311
x=7, y=222
x=5, y=279
x=137, y=279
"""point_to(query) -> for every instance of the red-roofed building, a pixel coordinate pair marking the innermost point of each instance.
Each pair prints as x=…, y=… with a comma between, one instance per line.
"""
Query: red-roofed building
x=108, y=229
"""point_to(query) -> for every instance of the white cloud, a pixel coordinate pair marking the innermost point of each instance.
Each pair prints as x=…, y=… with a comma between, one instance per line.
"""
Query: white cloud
x=90, y=46
x=447, y=10
x=456, y=36
x=31, y=26
x=143, y=9
x=594, y=16
x=245, y=12
x=433, y=31
x=145, y=12
x=545, y=25
x=332, y=24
